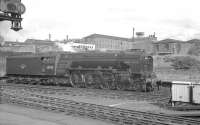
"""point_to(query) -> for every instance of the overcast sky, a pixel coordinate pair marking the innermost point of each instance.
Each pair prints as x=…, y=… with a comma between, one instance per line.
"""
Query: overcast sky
x=177, y=19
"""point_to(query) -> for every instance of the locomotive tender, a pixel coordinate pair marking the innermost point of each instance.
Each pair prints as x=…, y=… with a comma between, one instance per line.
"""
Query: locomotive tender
x=103, y=70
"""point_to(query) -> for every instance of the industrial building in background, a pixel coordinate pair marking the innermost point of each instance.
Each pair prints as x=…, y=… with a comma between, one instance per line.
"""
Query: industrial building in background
x=107, y=42
x=11, y=10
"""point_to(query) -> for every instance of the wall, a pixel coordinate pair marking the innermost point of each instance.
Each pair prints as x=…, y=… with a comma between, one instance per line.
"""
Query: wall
x=180, y=48
x=145, y=45
x=109, y=44
x=18, y=48
x=47, y=48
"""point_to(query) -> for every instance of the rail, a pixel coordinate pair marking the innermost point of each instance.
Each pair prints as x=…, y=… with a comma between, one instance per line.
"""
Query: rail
x=99, y=112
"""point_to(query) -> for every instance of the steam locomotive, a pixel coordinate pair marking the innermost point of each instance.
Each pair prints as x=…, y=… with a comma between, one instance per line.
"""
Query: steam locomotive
x=99, y=70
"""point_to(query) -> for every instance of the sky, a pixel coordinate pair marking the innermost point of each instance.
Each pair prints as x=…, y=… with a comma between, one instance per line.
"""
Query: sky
x=176, y=19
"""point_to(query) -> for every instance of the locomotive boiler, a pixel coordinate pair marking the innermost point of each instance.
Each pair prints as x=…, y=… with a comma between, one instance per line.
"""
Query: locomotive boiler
x=102, y=70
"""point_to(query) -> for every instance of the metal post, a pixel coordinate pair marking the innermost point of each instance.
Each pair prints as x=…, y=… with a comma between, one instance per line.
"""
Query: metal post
x=191, y=93
x=1, y=94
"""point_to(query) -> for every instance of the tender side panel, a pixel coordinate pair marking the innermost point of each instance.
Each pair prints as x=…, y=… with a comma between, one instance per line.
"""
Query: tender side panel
x=29, y=66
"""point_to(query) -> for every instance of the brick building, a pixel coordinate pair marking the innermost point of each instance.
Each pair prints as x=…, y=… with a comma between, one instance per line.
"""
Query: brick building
x=106, y=42
x=171, y=46
x=43, y=45
x=145, y=43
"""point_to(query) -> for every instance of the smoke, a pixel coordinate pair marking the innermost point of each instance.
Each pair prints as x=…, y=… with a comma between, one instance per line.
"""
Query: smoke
x=67, y=47
x=4, y=29
x=11, y=35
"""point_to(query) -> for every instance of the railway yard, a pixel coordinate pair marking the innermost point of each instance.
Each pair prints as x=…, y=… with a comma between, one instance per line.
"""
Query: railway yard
x=97, y=106
x=98, y=79
x=24, y=100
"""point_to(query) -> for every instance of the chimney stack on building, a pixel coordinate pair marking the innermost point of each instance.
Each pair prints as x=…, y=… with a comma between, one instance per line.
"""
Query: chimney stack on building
x=133, y=37
x=67, y=38
x=133, y=33
x=49, y=37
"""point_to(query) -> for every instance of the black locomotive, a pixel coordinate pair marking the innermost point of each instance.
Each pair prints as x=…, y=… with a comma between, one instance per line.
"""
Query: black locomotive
x=103, y=70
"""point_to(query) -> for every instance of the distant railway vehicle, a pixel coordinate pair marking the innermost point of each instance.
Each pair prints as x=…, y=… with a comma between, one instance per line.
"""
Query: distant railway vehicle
x=103, y=70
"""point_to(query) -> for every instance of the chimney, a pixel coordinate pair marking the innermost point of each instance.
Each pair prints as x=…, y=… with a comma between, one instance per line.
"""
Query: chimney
x=67, y=38
x=49, y=37
x=133, y=33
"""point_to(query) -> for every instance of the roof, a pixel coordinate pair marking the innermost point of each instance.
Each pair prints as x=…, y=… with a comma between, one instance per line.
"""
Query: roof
x=107, y=36
x=178, y=41
x=194, y=41
x=39, y=42
x=11, y=43
x=169, y=41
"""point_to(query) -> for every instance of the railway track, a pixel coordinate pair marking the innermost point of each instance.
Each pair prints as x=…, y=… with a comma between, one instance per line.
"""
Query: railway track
x=161, y=96
x=99, y=112
x=24, y=96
